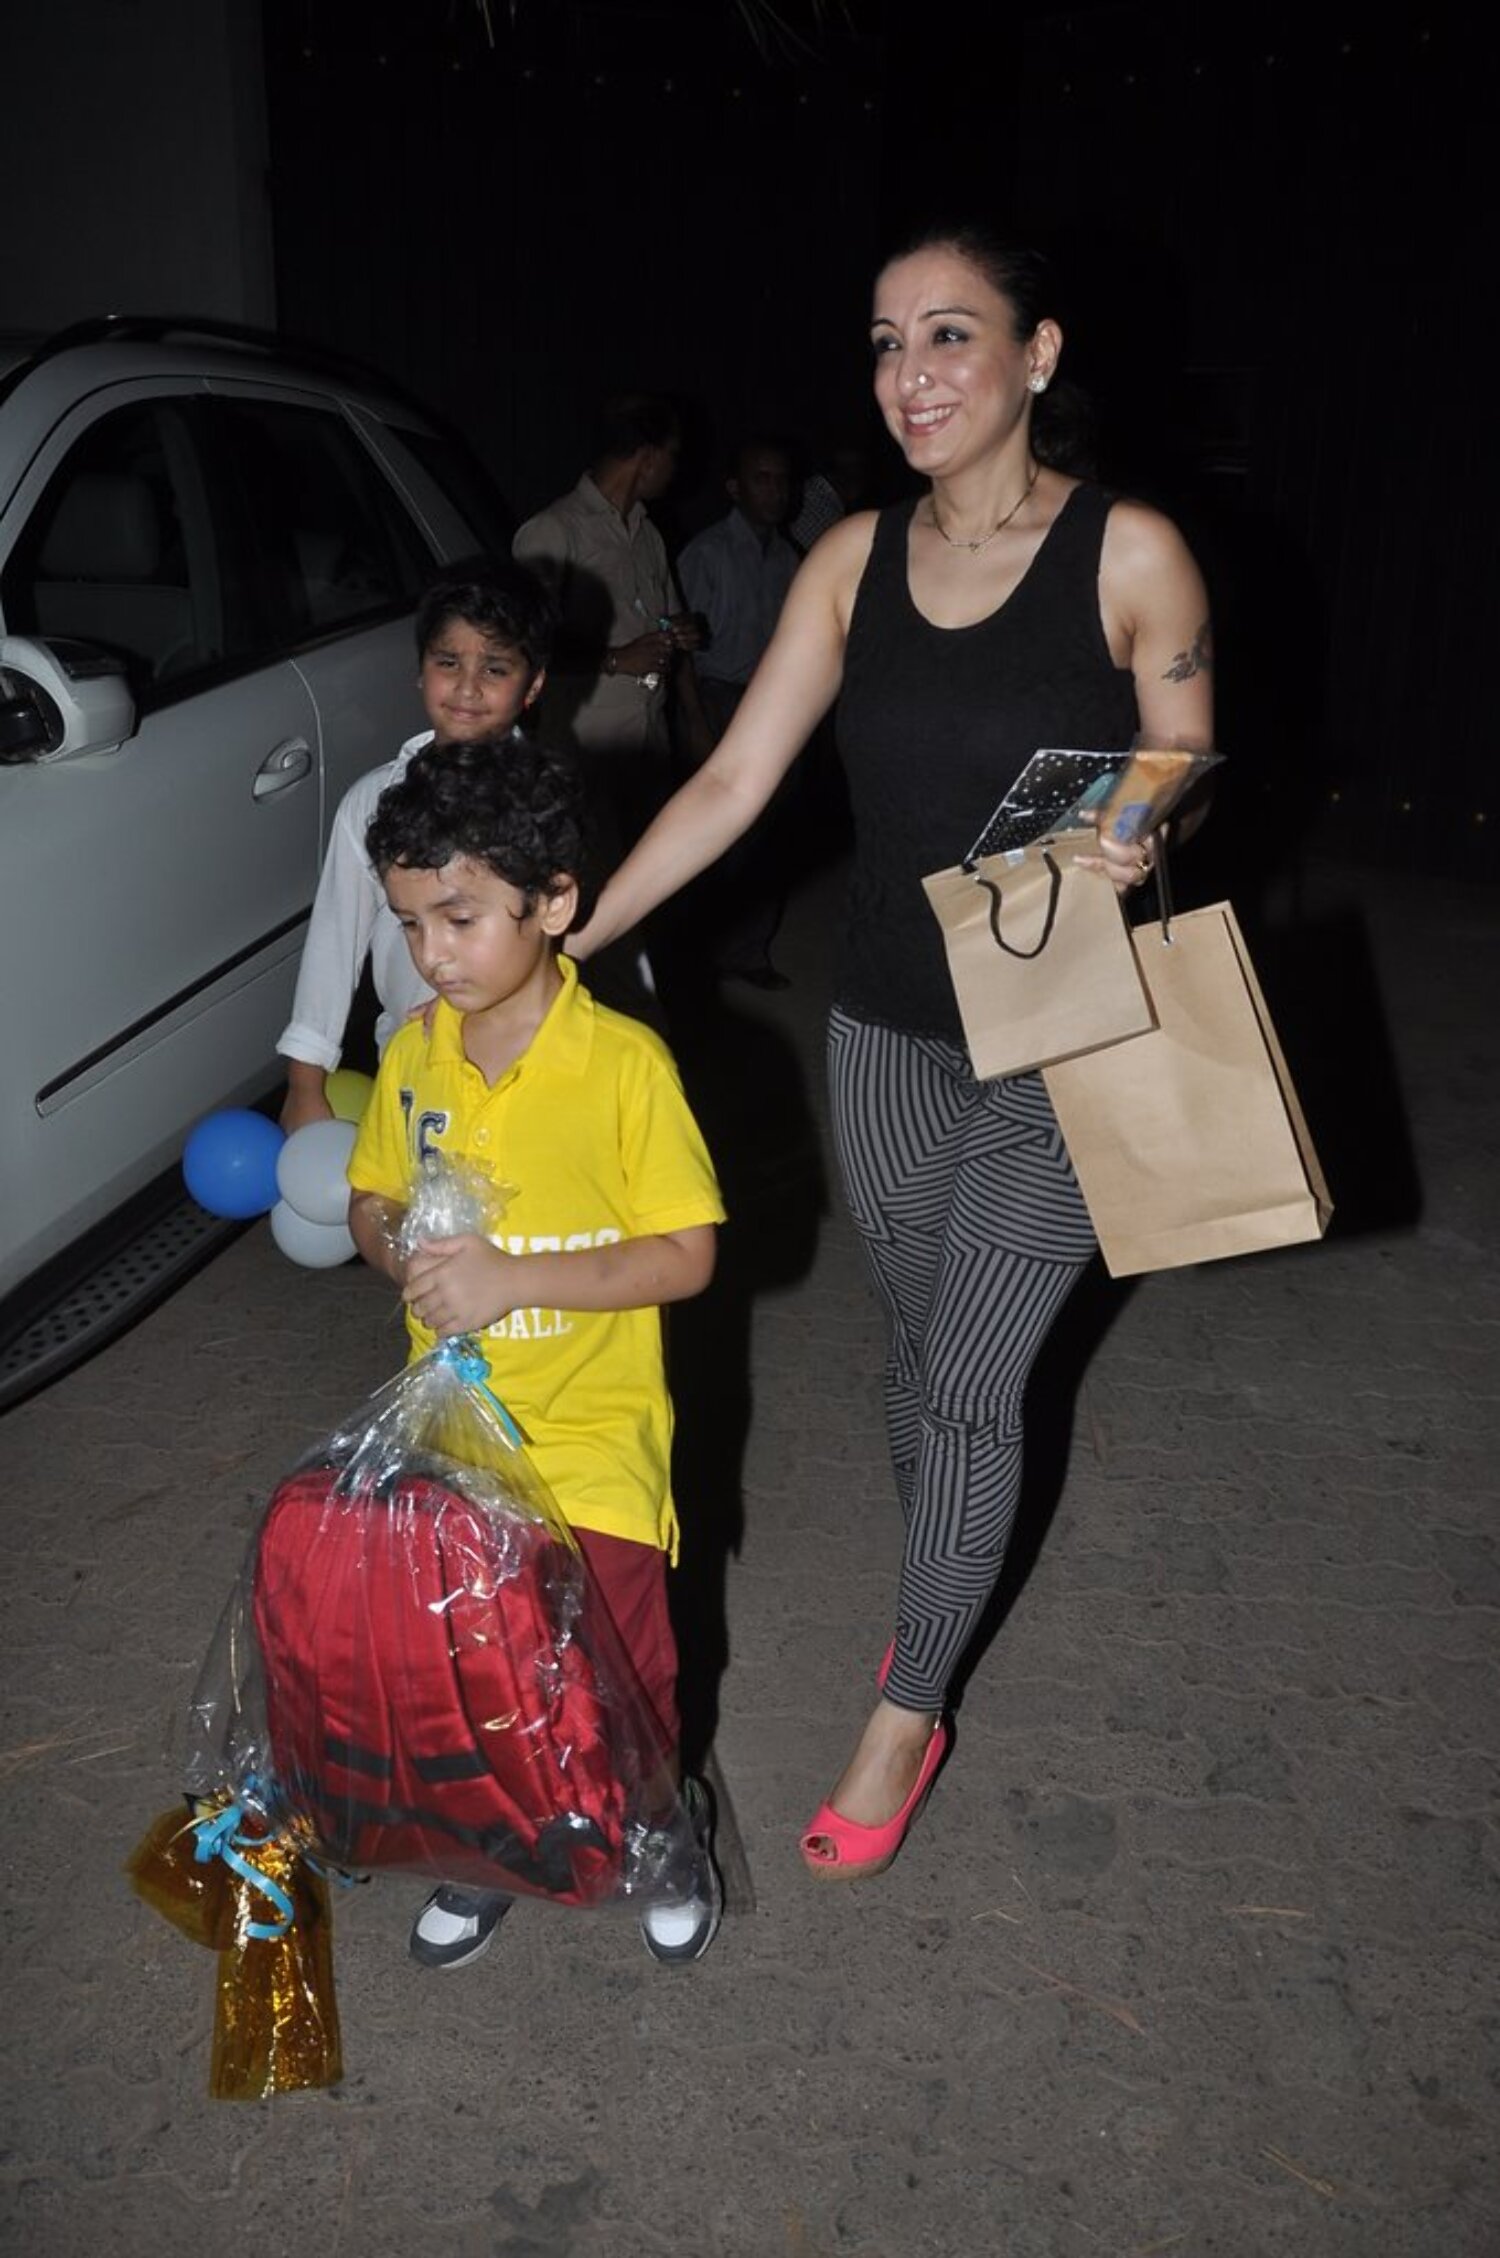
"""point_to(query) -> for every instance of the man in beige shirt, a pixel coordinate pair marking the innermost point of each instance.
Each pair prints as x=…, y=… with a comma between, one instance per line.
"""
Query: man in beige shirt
x=622, y=623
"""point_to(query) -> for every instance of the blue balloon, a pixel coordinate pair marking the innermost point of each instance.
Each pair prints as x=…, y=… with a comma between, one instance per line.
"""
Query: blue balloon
x=229, y=1163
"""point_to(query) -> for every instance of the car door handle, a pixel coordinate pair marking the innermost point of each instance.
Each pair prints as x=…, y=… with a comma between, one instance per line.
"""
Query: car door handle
x=283, y=768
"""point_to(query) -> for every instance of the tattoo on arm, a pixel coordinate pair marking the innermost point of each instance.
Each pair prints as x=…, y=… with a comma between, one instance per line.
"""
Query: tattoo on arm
x=1196, y=659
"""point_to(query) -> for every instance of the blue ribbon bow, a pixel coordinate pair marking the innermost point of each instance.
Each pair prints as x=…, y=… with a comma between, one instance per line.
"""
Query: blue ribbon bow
x=466, y=1358
x=219, y=1837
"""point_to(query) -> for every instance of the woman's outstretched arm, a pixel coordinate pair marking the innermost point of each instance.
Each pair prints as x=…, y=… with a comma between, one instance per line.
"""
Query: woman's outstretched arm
x=790, y=691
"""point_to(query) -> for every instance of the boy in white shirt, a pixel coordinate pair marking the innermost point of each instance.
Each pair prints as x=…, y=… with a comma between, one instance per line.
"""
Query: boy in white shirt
x=483, y=638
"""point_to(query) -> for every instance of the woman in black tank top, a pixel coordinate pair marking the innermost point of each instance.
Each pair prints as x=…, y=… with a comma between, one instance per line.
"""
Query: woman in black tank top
x=1010, y=607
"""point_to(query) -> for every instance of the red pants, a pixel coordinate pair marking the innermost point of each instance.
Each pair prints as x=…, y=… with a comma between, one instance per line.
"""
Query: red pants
x=632, y=1579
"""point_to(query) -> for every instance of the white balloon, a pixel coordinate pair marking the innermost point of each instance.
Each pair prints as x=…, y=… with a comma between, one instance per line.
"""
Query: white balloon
x=310, y=1170
x=317, y=1246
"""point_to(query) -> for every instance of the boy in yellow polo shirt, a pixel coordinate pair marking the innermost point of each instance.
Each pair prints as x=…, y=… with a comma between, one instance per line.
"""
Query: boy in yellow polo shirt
x=579, y=1108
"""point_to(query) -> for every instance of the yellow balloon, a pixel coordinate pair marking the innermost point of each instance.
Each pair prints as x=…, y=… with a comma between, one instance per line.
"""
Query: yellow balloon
x=348, y=1093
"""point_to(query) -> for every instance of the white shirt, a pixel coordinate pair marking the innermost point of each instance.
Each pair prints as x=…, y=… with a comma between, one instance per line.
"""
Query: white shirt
x=821, y=508
x=739, y=583
x=351, y=920
x=612, y=582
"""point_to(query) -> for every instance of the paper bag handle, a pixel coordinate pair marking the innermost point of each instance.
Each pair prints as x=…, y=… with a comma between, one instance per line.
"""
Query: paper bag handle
x=1161, y=883
x=1054, y=892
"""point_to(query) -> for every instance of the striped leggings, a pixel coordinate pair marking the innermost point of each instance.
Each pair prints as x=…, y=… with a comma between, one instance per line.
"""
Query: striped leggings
x=975, y=1231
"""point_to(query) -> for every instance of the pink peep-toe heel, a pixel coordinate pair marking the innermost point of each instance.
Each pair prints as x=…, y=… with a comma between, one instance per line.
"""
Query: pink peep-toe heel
x=836, y=1849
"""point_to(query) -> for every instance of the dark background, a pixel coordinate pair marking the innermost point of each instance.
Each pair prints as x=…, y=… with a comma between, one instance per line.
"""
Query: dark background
x=1267, y=223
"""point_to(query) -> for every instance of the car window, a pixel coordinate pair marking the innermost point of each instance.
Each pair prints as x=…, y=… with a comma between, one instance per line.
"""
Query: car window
x=120, y=552
x=333, y=543
x=467, y=485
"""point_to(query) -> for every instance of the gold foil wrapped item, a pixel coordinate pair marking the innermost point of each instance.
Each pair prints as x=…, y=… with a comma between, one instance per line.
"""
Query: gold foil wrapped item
x=276, y=2025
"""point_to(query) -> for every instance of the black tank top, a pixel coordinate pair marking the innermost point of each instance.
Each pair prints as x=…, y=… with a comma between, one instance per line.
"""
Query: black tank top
x=935, y=723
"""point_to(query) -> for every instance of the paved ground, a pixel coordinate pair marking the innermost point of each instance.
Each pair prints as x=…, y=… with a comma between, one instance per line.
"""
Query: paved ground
x=1196, y=1948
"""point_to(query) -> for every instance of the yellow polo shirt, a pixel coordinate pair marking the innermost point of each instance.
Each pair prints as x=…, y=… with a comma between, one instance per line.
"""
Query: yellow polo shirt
x=591, y=1127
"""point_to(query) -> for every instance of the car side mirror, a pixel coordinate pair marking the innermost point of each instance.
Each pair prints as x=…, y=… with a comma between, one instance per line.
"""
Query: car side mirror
x=60, y=700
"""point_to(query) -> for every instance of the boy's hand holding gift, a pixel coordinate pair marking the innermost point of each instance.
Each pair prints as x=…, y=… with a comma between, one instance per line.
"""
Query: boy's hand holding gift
x=464, y=1285
x=461, y=1285
x=440, y=1251
x=438, y=1248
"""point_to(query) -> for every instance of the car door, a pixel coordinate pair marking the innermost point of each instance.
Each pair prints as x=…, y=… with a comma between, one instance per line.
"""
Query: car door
x=340, y=557
x=156, y=895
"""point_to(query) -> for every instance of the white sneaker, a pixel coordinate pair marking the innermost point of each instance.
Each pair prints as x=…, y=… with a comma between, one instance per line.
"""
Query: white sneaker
x=683, y=1928
x=456, y=1925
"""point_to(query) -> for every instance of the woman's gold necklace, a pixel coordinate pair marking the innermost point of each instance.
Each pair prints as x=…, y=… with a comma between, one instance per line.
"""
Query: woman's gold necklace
x=985, y=539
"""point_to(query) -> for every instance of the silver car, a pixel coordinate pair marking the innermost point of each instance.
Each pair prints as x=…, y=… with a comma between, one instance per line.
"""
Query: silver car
x=209, y=559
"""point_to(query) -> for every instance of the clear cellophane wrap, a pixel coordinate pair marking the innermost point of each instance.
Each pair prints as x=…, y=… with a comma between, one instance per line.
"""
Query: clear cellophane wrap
x=415, y=1673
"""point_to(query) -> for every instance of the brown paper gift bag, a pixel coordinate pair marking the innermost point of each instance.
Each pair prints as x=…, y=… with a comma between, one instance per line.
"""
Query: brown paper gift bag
x=1190, y=1144
x=1039, y=955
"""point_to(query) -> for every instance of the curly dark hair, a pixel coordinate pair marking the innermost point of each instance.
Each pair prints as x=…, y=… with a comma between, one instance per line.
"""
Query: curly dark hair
x=498, y=800
x=499, y=598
